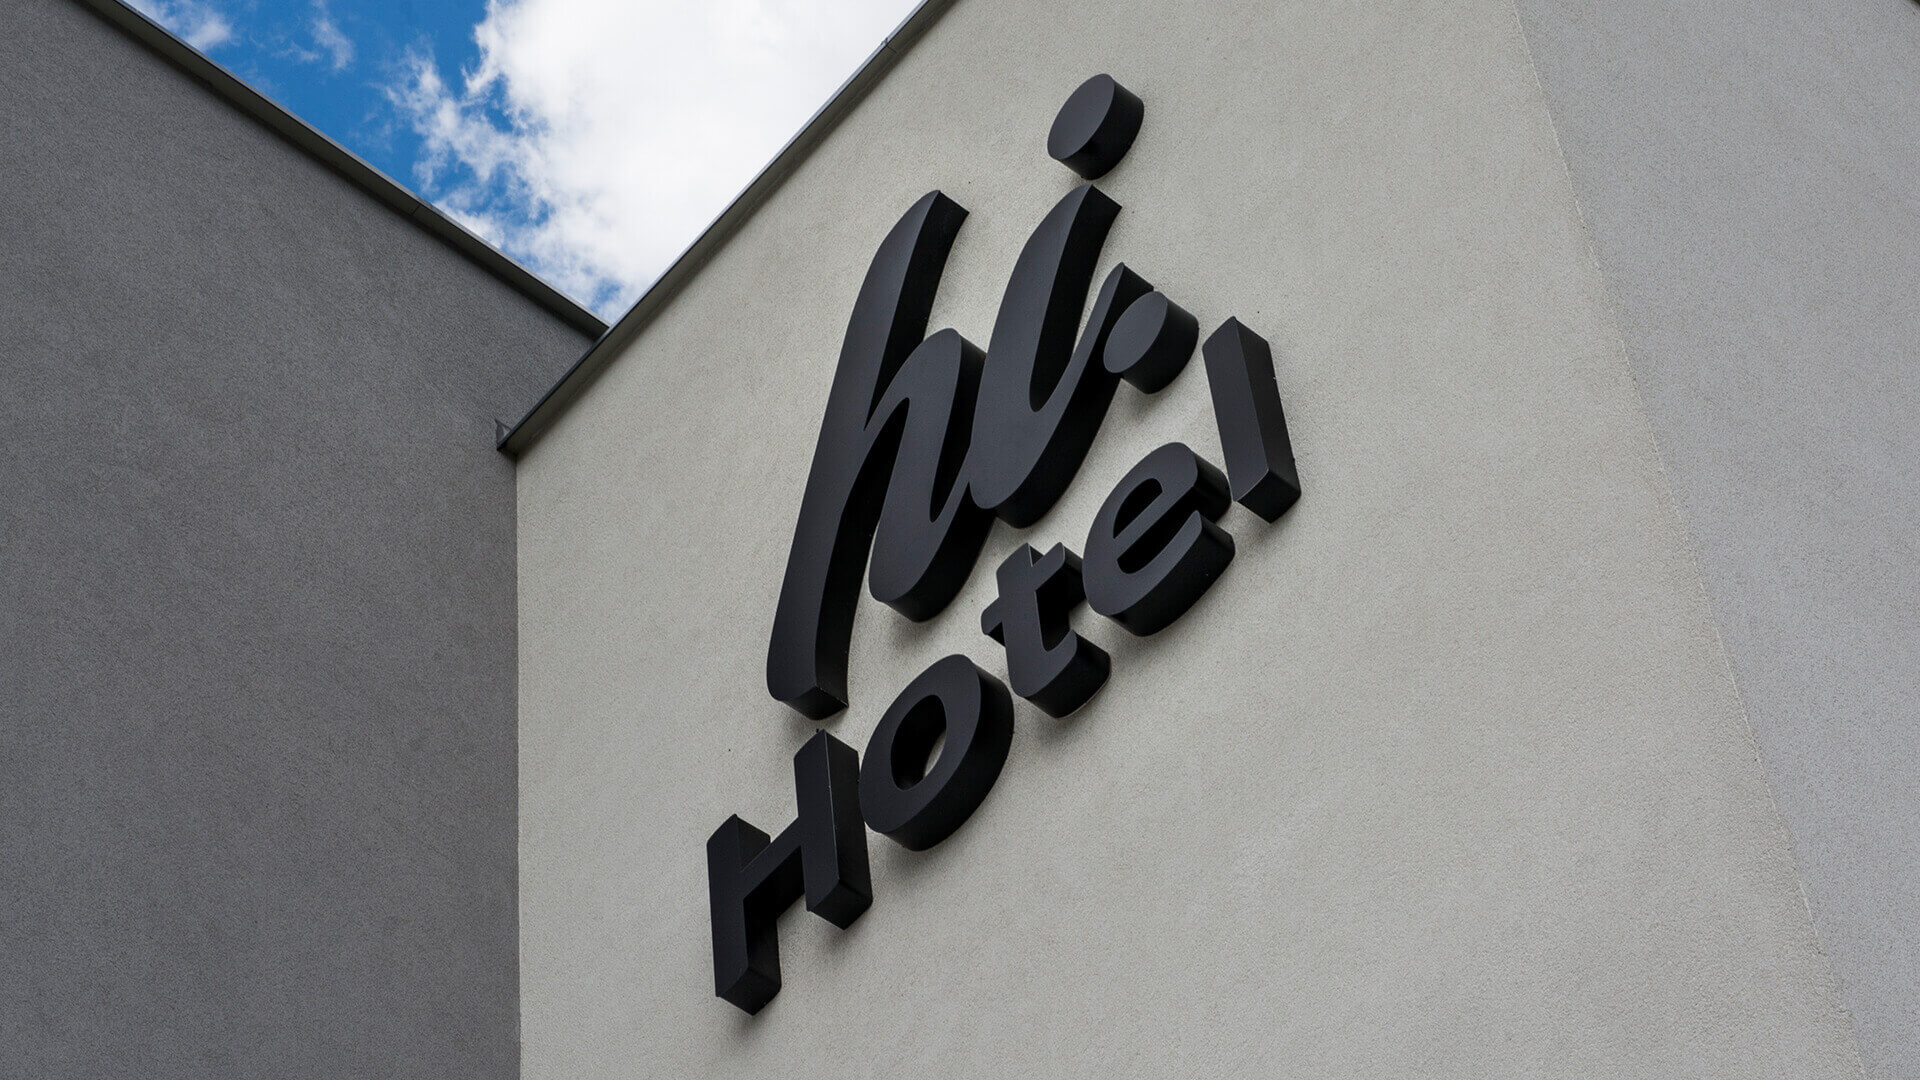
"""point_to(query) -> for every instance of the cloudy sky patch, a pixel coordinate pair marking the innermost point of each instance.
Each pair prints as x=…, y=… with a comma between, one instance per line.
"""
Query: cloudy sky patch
x=198, y=24
x=336, y=45
x=590, y=139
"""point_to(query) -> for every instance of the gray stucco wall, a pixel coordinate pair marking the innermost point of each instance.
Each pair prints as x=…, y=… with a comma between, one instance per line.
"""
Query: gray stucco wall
x=1748, y=169
x=257, y=750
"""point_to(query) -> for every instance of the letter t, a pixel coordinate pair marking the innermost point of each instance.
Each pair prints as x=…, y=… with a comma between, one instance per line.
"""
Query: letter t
x=1047, y=662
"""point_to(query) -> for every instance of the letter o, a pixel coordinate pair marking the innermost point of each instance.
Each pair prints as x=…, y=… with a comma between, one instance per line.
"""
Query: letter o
x=975, y=711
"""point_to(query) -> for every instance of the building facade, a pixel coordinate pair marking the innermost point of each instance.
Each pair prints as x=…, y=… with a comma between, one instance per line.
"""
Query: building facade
x=256, y=585
x=906, y=559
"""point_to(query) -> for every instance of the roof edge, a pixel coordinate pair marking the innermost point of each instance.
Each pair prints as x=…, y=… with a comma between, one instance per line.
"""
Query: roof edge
x=345, y=163
x=518, y=439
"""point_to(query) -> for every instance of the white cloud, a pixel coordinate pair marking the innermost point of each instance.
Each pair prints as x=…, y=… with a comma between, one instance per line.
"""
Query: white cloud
x=327, y=35
x=199, y=25
x=595, y=138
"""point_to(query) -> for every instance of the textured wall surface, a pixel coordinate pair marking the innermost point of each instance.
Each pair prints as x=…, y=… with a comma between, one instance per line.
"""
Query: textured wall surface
x=1747, y=170
x=1446, y=777
x=256, y=596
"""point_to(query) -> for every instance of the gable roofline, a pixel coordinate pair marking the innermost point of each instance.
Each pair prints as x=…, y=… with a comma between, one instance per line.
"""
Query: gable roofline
x=345, y=163
x=516, y=439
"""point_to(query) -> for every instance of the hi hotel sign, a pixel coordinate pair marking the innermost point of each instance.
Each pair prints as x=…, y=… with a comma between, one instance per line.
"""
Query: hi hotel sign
x=925, y=441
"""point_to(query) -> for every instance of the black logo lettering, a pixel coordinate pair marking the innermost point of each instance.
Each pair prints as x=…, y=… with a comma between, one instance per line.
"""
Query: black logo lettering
x=925, y=441
x=1253, y=429
x=750, y=880
x=904, y=801
x=1152, y=342
x=1042, y=399
x=889, y=391
x=1154, y=548
x=1049, y=664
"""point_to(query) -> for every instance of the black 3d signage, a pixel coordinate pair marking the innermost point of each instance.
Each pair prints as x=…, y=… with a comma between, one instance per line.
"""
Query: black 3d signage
x=925, y=441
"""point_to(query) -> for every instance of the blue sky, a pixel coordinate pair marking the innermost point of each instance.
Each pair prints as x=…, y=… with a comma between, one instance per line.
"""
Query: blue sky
x=330, y=63
x=590, y=139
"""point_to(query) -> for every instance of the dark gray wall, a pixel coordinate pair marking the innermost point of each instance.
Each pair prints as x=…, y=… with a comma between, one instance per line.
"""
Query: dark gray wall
x=257, y=749
x=1748, y=170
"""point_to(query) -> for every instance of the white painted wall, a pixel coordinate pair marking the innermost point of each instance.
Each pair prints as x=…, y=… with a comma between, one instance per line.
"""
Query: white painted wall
x=1447, y=776
x=1747, y=168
